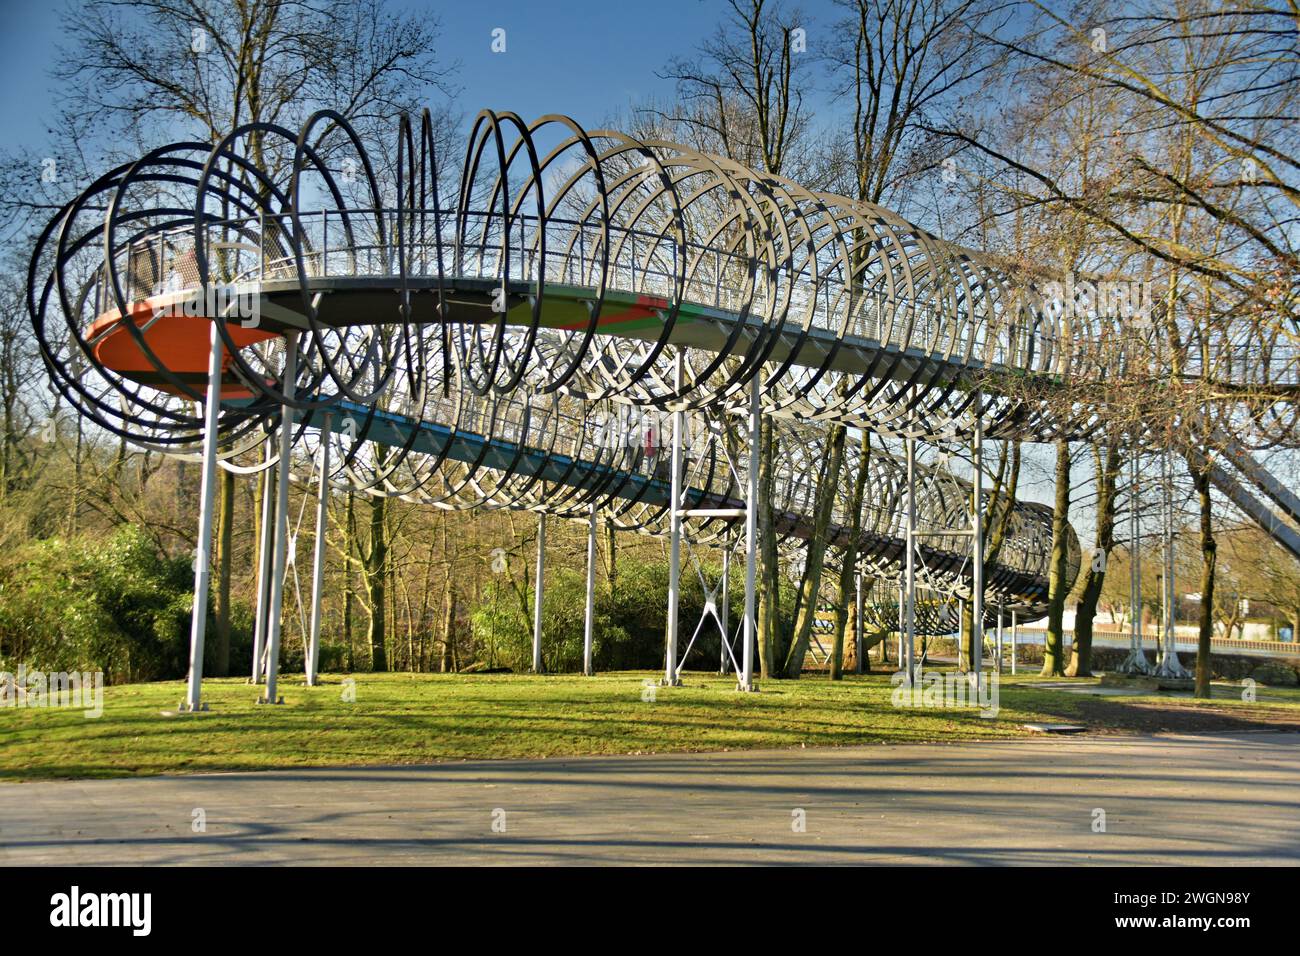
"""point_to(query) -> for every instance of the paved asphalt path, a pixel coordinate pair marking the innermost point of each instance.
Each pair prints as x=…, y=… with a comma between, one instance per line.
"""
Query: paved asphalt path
x=1215, y=799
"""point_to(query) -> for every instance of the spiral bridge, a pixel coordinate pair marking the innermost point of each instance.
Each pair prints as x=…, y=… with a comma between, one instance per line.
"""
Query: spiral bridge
x=530, y=343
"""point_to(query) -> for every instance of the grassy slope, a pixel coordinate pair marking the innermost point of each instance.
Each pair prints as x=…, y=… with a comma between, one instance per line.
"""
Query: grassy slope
x=399, y=718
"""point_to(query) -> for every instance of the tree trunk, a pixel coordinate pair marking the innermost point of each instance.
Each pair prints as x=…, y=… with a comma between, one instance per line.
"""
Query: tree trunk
x=837, y=642
x=966, y=637
x=375, y=570
x=447, y=665
x=1058, y=586
x=349, y=584
x=810, y=585
x=611, y=546
x=1086, y=609
x=769, y=607
x=848, y=573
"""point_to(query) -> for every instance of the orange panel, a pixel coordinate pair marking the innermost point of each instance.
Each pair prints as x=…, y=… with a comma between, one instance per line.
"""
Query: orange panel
x=179, y=342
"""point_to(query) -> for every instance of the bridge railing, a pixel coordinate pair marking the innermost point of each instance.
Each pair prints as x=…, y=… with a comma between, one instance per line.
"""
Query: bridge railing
x=365, y=243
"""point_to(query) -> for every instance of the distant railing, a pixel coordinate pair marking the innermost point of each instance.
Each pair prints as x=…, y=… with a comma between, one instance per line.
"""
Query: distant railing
x=1227, y=645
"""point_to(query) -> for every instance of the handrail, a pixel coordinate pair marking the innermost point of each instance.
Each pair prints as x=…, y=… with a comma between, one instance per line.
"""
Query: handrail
x=866, y=324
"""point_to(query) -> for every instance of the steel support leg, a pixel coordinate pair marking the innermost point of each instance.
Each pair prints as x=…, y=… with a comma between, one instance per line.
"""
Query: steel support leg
x=589, y=627
x=909, y=620
x=264, y=551
x=207, y=503
x=537, y=594
x=977, y=552
x=751, y=537
x=998, y=640
x=318, y=555
x=902, y=622
x=1136, y=662
x=1171, y=574
x=1013, y=641
x=1134, y=575
x=281, y=527
x=724, y=610
x=1170, y=665
x=675, y=532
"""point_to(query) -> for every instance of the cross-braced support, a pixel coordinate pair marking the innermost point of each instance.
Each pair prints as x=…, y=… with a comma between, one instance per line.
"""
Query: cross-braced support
x=715, y=608
x=711, y=603
x=715, y=594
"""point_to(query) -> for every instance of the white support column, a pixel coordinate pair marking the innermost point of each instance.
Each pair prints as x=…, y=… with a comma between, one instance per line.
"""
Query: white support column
x=751, y=536
x=1135, y=560
x=264, y=549
x=537, y=594
x=1170, y=588
x=589, y=628
x=1167, y=557
x=1013, y=641
x=902, y=622
x=1169, y=664
x=724, y=608
x=318, y=552
x=1171, y=592
x=977, y=551
x=207, y=504
x=998, y=640
x=675, y=530
x=1136, y=662
x=909, y=619
x=280, y=556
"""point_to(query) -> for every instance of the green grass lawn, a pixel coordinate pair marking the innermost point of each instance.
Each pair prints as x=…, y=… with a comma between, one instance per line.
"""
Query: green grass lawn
x=401, y=718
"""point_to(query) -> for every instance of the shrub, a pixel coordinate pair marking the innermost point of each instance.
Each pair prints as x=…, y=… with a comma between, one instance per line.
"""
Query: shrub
x=117, y=605
x=630, y=623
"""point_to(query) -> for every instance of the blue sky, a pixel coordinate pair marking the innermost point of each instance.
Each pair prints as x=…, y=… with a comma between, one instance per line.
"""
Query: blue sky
x=587, y=58
x=29, y=32
x=590, y=59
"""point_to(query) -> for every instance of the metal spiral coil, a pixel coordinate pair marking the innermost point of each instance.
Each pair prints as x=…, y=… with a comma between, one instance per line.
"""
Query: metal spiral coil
x=474, y=353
